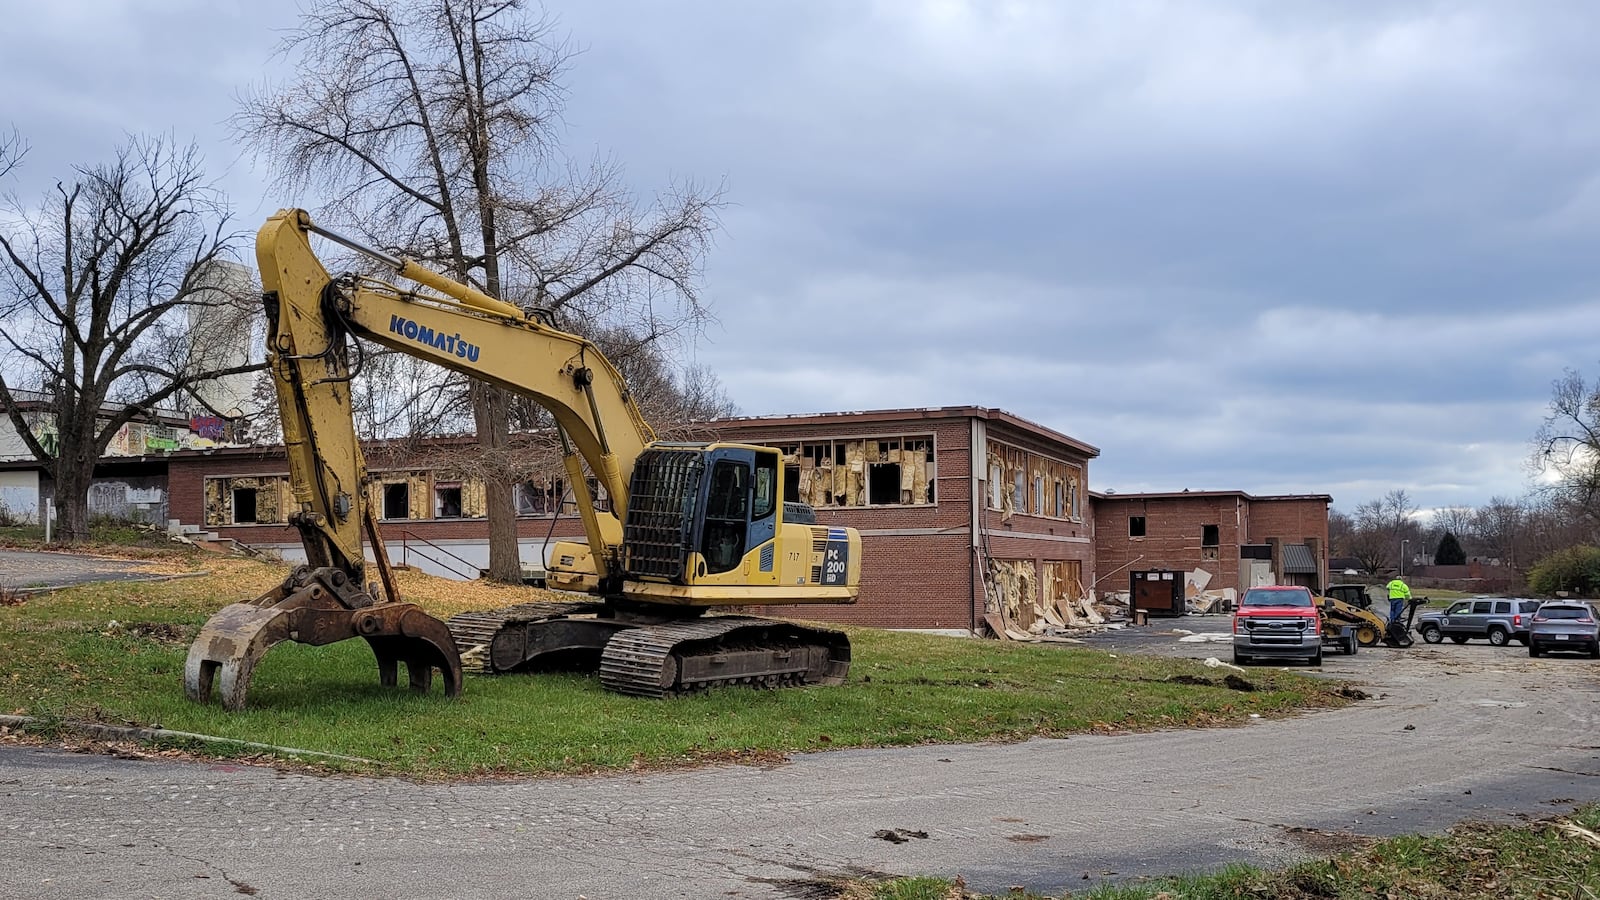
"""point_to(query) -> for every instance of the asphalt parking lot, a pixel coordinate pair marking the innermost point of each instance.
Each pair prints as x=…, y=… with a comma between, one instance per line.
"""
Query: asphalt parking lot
x=30, y=571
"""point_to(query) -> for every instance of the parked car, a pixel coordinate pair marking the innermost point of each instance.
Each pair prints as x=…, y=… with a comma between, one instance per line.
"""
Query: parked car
x=1564, y=625
x=1278, y=621
x=1499, y=620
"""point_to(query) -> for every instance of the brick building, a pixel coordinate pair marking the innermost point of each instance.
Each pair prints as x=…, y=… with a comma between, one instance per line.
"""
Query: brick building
x=956, y=506
x=959, y=508
x=1242, y=540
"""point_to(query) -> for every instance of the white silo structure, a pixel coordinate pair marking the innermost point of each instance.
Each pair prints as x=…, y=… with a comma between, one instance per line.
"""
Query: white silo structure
x=221, y=326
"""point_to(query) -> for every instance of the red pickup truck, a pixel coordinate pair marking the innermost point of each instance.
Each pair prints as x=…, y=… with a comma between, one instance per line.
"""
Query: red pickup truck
x=1280, y=621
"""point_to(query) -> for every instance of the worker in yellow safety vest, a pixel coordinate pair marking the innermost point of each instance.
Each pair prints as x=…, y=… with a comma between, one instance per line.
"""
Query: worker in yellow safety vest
x=1398, y=595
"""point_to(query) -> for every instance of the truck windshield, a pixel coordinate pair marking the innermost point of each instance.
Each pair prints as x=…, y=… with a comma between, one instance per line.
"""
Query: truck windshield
x=1276, y=598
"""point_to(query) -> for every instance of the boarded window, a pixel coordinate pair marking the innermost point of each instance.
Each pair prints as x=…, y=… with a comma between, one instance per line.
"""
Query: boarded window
x=1014, y=591
x=1136, y=526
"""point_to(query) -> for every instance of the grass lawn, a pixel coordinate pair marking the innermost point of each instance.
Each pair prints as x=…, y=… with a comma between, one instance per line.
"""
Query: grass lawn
x=1470, y=862
x=114, y=653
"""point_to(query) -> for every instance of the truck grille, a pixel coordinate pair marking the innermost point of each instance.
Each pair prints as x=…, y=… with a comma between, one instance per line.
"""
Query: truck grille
x=1275, y=630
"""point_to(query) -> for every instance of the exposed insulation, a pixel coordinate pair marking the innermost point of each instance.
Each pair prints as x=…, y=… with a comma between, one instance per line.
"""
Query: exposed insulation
x=1014, y=591
x=839, y=473
x=216, y=511
x=1021, y=482
x=272, y=495
x=474, y=499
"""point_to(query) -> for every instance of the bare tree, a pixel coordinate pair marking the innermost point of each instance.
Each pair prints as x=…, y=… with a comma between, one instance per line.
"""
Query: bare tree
x=1567, y=448
x=1377, y=527
x=434, y=128
x=99, y=283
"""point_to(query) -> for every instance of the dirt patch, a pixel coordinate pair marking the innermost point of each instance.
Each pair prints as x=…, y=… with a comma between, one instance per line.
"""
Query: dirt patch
x=1319, y=841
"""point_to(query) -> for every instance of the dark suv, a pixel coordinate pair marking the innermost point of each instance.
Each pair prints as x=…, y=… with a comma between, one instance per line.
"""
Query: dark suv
x=1499, y=620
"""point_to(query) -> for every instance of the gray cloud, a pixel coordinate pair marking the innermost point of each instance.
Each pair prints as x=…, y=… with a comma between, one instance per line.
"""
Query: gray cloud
x=1263, y=246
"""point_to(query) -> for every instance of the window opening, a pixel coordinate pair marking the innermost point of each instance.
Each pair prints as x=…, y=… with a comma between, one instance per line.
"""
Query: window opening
x=536, y=498
x=396, y=501
x=1209, y=536
x=447, y=502
x=244, y=506
x=883, y=483
x=1136, y=526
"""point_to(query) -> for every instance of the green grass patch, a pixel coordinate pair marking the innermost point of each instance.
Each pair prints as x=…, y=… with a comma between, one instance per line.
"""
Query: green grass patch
x=1470, y=862
x=114, y=653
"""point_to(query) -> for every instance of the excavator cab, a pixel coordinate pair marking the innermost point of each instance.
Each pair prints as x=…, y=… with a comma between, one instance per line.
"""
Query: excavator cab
x=697, y=510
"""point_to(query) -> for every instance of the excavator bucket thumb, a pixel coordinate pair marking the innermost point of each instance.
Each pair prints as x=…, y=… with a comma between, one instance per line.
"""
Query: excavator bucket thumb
x=224, y=655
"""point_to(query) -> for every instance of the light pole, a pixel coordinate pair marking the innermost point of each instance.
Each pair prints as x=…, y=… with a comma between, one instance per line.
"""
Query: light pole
x=1403, y=544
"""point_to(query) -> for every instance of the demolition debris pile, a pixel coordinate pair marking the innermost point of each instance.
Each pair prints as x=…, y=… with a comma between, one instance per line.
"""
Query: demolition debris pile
x=1023, y=606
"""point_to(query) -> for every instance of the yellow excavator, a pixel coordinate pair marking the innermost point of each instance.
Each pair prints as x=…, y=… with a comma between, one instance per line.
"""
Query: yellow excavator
x=690, y=526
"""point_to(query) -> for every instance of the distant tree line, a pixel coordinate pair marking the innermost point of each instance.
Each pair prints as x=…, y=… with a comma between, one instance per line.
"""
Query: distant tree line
x=1551, y=534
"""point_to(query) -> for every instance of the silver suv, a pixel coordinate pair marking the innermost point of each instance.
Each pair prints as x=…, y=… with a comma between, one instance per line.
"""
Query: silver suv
x=1499, y=620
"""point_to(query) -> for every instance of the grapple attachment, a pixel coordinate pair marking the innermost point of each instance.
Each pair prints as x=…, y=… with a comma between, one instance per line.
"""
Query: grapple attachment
x=318, y=606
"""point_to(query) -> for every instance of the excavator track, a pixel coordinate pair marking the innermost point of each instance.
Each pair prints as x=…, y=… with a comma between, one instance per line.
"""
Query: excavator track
x=475, y=632
x=683, y=657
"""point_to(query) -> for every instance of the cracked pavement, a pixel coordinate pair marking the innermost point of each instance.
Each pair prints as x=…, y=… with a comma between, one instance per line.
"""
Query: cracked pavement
x=1495, y=735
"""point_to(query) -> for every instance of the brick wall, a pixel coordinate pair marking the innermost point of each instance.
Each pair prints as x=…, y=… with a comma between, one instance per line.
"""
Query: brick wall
x=1172, y=540
x=1174, y=529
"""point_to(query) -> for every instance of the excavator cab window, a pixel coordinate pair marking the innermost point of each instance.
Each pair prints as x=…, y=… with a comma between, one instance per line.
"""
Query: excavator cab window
x=766, y=499
x=727, y=509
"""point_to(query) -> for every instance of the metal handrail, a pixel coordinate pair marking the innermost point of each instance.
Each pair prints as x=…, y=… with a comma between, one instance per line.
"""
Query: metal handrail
x=405, y=555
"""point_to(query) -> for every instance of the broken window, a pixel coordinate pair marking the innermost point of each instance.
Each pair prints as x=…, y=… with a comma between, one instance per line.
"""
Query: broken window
x=447, y=501
x=397, y=500
x=246, y=500
x=1208, y=536
x=883, y=483
x=244, y=506
x=539, y=497
x=602, y=500
x=1135, y=526
x=868, y=472
x=1030, y=483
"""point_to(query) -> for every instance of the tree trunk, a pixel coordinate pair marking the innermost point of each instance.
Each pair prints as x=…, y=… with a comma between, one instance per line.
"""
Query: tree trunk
x=72, y=500
x=491, y=413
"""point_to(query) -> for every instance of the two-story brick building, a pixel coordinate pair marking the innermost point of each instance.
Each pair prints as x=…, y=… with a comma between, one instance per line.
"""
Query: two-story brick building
x=960, y=508
x=1242, y=540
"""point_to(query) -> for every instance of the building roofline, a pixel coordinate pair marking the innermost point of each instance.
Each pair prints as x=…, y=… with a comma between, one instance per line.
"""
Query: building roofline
x=1179, y=495
x=930, y=412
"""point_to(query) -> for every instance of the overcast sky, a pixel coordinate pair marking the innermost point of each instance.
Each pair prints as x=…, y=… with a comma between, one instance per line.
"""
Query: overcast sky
x=1336, y=248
